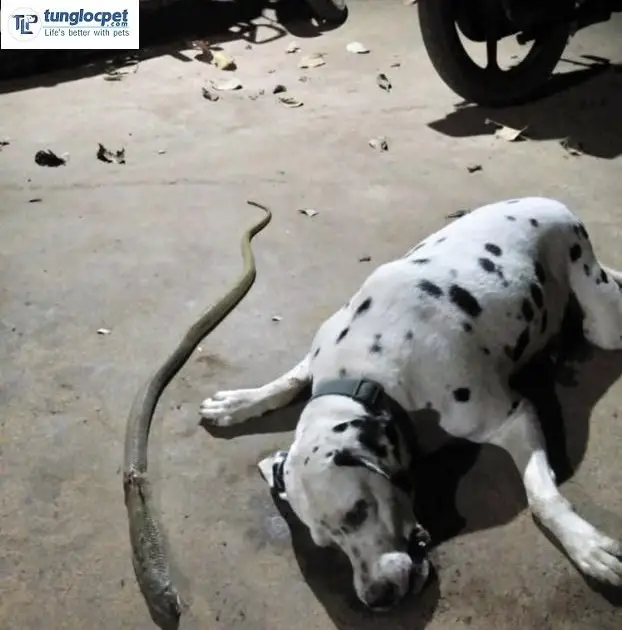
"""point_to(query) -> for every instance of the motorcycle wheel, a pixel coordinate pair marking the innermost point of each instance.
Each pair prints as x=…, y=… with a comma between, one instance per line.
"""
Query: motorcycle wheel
x=491, y=87
x=331, y=11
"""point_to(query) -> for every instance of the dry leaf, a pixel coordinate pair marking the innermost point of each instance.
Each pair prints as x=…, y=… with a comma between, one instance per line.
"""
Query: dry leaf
x=365, y=259
x=222, y=61
x=290, y=101
x=292, y=47
x=209, y=96
x=312, y=61
x=4, y=143
x=278, y=89
x=276, y=318
x=572, y=147
x=379, y=143
x=473, y=168
x=396, y=64
x=357, y=48
x=161, y=151
x=35, y=200
x=227, y=86
x=103, y=331
x=457, y=214
x=308, y=212
x=382, y=81
x=105, y=155
x=49, y=158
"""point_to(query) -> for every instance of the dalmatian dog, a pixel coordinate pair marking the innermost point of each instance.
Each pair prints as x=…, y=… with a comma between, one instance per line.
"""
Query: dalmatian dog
x=443, y=327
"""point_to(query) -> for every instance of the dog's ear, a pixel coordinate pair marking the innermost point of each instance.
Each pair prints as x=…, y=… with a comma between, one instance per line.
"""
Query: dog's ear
x=271, y=469
x=349, y=457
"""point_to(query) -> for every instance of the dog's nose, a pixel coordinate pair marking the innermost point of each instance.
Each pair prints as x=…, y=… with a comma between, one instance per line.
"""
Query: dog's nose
x=382, y=596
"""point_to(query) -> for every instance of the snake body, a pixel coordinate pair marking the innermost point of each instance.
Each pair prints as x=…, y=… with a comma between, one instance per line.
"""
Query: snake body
x=149, y=559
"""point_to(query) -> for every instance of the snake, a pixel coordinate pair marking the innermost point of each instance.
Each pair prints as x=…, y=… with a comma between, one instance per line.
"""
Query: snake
x=149, y=556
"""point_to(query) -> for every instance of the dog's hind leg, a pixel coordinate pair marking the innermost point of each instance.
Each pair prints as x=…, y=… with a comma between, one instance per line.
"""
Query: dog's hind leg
x=225, y=408
x=599, y=292
x=594, y=553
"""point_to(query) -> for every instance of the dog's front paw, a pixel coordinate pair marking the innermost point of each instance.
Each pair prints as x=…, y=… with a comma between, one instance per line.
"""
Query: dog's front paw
x=229, y=407
x=598, y=556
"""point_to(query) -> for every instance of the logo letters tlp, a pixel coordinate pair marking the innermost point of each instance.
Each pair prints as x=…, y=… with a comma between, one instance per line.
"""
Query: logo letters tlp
x=23, y=23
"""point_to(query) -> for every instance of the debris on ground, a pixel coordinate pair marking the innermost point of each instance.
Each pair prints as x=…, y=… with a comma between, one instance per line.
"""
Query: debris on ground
x=314, y=60
x=457, y=214
x=122, y=69
x=276, y=318
x=396, y=64
x=103, y=331
x=209, y=96
x=215, y=56
x=303, y=79
x=382, y=81
x=229, y=85
x=365, y=259
x=508, y=134
x=35, y=200
x=357, y=48
x=4, y=143
x=473, y=168
x=290, y=101
x=49, y=158
x=161, y=151
x=255, y=95
x=105, y=155
x=572, y=147
x=379, y=143
x=407, y=3
x=292, y=47
x=278, y=89
x=308, y=212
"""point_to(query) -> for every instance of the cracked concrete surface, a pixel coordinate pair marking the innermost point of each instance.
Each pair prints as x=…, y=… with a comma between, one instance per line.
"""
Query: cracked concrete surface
x=142, y=248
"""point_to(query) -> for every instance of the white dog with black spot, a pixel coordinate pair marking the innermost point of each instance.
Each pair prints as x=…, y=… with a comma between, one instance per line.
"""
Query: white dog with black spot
x=445, y=326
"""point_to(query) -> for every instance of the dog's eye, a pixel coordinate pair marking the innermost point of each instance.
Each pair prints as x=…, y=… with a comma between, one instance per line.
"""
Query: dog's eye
x=354, y=518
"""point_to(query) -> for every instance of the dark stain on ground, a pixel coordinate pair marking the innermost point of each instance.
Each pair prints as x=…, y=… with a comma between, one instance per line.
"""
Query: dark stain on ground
x=213, y=363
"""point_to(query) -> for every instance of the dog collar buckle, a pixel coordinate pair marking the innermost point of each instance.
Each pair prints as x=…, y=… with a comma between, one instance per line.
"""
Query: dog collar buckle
x=366, y=392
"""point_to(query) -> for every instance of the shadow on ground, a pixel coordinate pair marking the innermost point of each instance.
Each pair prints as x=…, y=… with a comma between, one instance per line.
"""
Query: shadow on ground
x=582, y=106
x=473, y=487
x=168, y=30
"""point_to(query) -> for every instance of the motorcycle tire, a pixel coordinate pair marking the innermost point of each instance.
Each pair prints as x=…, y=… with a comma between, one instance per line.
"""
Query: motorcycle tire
x=330, y=11
x=437, y=21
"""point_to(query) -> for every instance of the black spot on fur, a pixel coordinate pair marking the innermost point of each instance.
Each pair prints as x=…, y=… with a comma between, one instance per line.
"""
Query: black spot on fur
x=430, y=288
x=330, y=453
x=343, y=372
x=604, y=277
x=464, y=300
x=315, y=449
x=355, y=517
x=341, y=427
x=586, y=269
x=462, y=394
x=440, y=240
x=513, y=201
x=513, y=407
x=342, y=334
x=545, y=321
x=495, y=250
x=375, y=347
x=467, y=327
x=363, y=307
x=527, y=310
x=409, y=335
x=576, y=229
x=306, y=461
x=371, y=433
x=536, y=294
x=317, y=351
x=521, y=345
x=486, y=351
x=420, y=261
x=540, y=272
x=487, y=265
x=534, y=222
x=575, y=252
x=510, y=218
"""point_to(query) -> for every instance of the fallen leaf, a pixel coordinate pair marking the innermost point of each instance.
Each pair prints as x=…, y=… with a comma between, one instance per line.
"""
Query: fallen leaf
x=571, y=146
x=123, y=68
x=396, y=64
x=227, y=86
x=290, y=101
x=507, y=133
x=292, y=47
x=103, y=331
x=276, y=318
x=365, y=259
x=105, y=155
x=379, y=143
x=473, y=168
x=357, y=48
x=382, y=81
x=312, y=61
x=209, y=96
x=222, y=61
x=35, y=200
x=161, y=151
x=457, y=214
x=278, y=89
x=4, y=143
x=49, y=158
x=308, y=212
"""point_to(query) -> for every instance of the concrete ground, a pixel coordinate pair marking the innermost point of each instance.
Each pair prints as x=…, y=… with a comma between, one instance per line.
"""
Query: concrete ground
x=141, y=248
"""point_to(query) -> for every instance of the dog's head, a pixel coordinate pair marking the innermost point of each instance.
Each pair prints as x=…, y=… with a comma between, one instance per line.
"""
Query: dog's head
x=346, y=476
